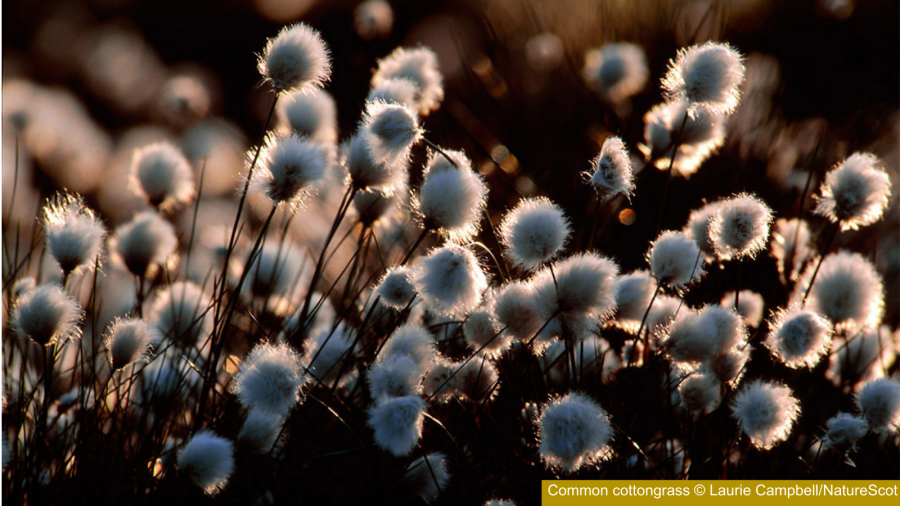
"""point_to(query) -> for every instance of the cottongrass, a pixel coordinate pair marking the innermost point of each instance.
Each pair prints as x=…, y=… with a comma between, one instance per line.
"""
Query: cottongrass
x=698, y=229
x=368, y=173
x=144, y=243
x=46, y=315
x=633, y=293
x=700, y=392
x=413, y=341
x=534, y=232
x=261, y=430
x=673, y=259
x=750, y=306
x=390, y=131
x=129, y=340
x=428, y=476
x=452, y=196
x=373, y=19
x=396, y=288
x=790, y=247
x=879, y=403
x=855, y=193
x=161, y=174
x=706, y=75
x=73, y=234
x=289, y=168
x=616, y=71
x=208, y=460
x=181, y=312
x=847, y=290
x=296, y=58
x=311, y=113
x=397, y=423
x=269, y=379
x=449, y=280
x=395, y=375
x=702, y=134
x=611, y=170
x=574, y=432
x=517, y=310
x=420, y=67
x=482, y=330
x=740, y=228
x=766, y=412
x=327, y=354
x=397, y=91
x=843, y=431
x=798, y=337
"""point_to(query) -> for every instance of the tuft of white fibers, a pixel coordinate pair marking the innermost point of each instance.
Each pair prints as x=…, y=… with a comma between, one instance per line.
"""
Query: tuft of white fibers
x=428, y=476
x=574, y=431
x=700, y=392
x=73, y=235
x=144, y=242
x=843, y=431
x=879, y=403
x=856, y=192
x=449, y=280
x=261, y=430
x=611, y=170
x=46, y=314
x=390, y=131
x=585, y=283
x=482, y=331
x=269, y=379
x=329, y=352
x=727, y=324
x=798, y=337
x=438, y=383
x=209, y=461
x=463, y=380
x=420, y=67
x=534, y=232
x=728, y=367
x=276, y=270
x=616, y=71
x=633, y=293
x=848, y=290
x=697, y=229
x=790, y=247
x=673, y=259
x=750, y=306
x=765, y=411
x=129, y=340
x=397, y=423
x=413, y=341
x=396, y=288
x=706, y=75
x=451, y=197
x=181, y=312
x=373, y=19
x=397, y=91
x=740, y=228
x=367, y=173
x=289, y=167
x=310, y=113
x=662, y=313
x=690, y=338
x=395, y=375
x=296, y=58
x=703, y=133
x=374, y=205
x=162, y=174
x=516, y=309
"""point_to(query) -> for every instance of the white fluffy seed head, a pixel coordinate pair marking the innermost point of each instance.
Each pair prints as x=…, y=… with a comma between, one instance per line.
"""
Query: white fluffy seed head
x=412, y=341
x=129, y=340
x=46, y=315
x=144, y=243
x=690, y=339
x=328, y=354
x=310, y=113
x=611, y=172
x=449, y=280
x=750, y=306
x=798, y=337
x=396, y=288
x=847, y=290
x=296, y=58
x=398, y=91
x=397, y=423
x=368, y=173
x=633, y=293
x=517, y=310
x=451, y=197
x=673, y=259
x=534, y=232
x=729, y=367
x=373, y=19
x=275, y=271
x=574, y=432
x=856, y=192
x=879, y=403
x=765, y=411
x=261, y=430
x=269, y=379
x=161, y=174
x=700, y=392
x=395, y=375
x=706, y=75
x=740, y=228
x=790, y=247
x=482, y=330
x=289, y=168
x=702, y=135
x=616, y=71
x=209, y=461
x=843, y=431
x=428, y=476
x=420, y=67
x=74, y=236
x=390, y=131
x=181, y=312
x=727, y=325
x=698, y=230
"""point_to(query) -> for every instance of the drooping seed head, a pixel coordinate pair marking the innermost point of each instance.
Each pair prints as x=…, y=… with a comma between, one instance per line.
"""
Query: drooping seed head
x=296, y=58
x=74, y=236
x=46, y=315
x=162, y=175
x=611, y=170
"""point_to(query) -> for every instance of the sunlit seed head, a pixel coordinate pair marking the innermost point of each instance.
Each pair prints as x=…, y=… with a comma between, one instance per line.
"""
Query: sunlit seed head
x=766, y=412
x=698, y=229
x=162, y=175
x=750, y=306
x=394, y=91
x=329, y=353
x=452, y=196
x=289, y=168
x=390, y=130
x=616, y=71
x=449, y=280
x=419, y=66
x=856, y=192
x=879, y=402
x=413, y=341
x=706, y=75
x=798, y=337
x=144, y=243
x=397, y=423
x=843, y=431
x=534, y=232
x=740, y=228
x=700, y=392
x=73, y=234
x=396, y=288
x=574, y=432
x=181, y=312
x=703, y=132
x=673, y=259
x=128, y=341
x=611, y=170
x=368, y=173
x=296, y=58
x=310, y=113
x=208, y=460
x=517, y=310
x=847, y=290
x=395, y=375
x=790, y=247
x=269, y=379
x=46, y=315
x=633, y=293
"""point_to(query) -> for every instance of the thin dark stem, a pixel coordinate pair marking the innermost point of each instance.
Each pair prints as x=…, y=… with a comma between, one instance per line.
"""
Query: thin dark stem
x=662, y=200
x=737, y=290
x=637, y=337
x=415, y=246
x=832, y=234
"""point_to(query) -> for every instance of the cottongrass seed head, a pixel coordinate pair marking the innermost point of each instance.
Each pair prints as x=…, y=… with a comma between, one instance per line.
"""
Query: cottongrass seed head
x=162, y=174
x=698, y=230
x=420, y=67
x=750, y=306
x=397, y=423
x=260, y=430
x=855, y=193
x=182, y=312
x=534, y=232
x=396, y=288
x=843, y=431
x=703, y=133
x=700, y=392
x=848, y=290
x=611, y=170
x=390, y=131
x=633, y=293
x=397, y=91
x=289, y=167
x=706, y=75
x=452, y=196
x=673, y=259
x=144, y=242
x=482, y=330
x=616, y=71
x=428, y=476
x=766, y=412
x=879, y=403
x=740, y=228
x=208, y=460
x=574, y=432
x=295, y=58
x=413, y=341
x=269, y=379
x=129, y=340
x=73, y=235
x=449, y=280
x=367, y=173
x=373, y=19
x=310, y=113
x=395, y=375
x=46, y=314
x=517, y=311
x=799, y=337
